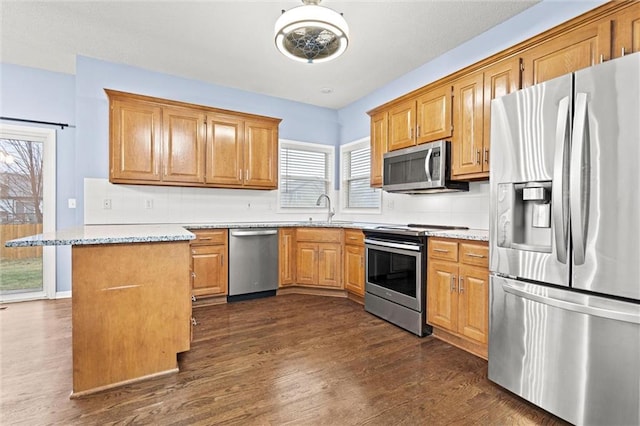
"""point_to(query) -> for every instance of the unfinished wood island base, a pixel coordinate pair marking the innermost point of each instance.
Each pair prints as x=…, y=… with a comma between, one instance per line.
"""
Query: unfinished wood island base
x=131, y=312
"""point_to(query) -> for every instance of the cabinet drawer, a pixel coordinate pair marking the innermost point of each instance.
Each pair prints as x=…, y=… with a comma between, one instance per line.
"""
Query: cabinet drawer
x=319, y=235
x=474, y=254
x=210, y=236
x=445, y=250
x=353, y=236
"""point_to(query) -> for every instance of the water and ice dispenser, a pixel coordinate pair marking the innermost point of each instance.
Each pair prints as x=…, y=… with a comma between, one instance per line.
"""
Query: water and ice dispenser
x=524, y=216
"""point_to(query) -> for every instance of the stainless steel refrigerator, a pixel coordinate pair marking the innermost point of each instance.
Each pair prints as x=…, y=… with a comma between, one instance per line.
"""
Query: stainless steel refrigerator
x=565, y=244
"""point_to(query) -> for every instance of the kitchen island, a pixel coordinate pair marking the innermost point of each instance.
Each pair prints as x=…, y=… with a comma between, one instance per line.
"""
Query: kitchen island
x=131, y=306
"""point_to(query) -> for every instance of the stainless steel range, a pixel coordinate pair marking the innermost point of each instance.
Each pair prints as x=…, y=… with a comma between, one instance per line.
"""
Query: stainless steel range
x=395, y=271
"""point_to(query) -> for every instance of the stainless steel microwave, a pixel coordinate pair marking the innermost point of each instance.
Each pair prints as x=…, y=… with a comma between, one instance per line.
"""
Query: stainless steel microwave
x=420, y=169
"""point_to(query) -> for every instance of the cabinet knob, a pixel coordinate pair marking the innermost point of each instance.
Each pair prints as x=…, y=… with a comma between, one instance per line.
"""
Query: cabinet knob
x=193, y=275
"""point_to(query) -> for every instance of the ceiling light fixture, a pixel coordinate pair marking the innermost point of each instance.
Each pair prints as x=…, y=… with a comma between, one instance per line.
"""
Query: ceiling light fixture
x=311, y=33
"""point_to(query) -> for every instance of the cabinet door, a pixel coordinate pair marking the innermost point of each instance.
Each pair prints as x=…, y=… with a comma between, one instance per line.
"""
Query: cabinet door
x=468, y=121
x=442, y=296
x=225, y=140
x=567, y=53
x=261, y=154
x=184, y=145
x=627, y=31
x=286, y=256
x=402, y=120
x=379, y=137
x=434, y=115
x=306, y=263
x=354, y=269
x=209, y=270
x=500, y=79
x=473, y=306
x=330, y=265
x=136, y=134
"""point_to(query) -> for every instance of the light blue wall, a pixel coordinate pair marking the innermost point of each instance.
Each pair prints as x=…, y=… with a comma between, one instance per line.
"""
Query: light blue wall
x=541, y=17
x=34, y=94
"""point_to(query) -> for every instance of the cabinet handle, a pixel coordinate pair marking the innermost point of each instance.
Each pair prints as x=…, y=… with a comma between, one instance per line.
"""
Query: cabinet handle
x=481, y=256
x=601, y=58
x=453, y=283
x=623, y=52
x=193, y=275
x=411, y=133
x=240, y=175
x=460, y=285
x=441, y=250
x=478, y=157
x=222, y=259
x=486, y=155
x=246, y=175
x=193, y=297
x=205, y=238
x=418, y=132
x=193, y=252
x=193, y=321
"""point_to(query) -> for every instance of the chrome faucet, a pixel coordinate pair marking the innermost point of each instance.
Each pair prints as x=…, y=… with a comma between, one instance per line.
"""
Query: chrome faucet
x=330, y=212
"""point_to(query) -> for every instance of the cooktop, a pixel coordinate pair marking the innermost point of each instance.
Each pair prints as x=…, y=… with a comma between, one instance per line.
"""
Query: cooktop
x=414, y=229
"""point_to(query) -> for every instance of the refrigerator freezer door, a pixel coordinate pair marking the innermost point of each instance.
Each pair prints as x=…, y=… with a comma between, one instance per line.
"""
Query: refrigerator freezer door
x=530, y=131
x=574, y=355
x=605, y=178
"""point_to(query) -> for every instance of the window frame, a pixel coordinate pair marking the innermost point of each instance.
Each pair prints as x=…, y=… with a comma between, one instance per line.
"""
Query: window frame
x=344, y=195
x=306, y=146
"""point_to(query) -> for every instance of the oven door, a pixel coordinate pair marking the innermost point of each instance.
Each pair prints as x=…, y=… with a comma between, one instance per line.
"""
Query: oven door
x=393, y=272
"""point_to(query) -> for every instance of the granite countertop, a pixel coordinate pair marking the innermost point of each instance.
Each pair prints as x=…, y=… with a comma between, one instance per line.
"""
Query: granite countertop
x=120, y=234
x=106, y=234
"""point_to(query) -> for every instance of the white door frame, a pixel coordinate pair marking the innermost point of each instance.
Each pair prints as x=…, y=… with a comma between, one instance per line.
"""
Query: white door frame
x=48, y=139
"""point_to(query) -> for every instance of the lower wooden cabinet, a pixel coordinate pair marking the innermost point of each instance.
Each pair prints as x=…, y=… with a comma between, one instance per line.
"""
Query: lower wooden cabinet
x=287, y=256
x=209, y=263
x=354, y=261
x=458, y=293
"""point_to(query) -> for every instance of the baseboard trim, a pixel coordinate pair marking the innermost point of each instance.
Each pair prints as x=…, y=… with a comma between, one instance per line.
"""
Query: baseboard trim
x=312, y=291
x=63, y=294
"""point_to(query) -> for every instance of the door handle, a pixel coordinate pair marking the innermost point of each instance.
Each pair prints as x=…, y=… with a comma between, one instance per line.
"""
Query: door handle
x=560, y=181
x=579, y=195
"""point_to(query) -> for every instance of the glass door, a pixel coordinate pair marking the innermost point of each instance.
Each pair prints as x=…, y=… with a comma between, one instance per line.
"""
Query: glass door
x=27, y=207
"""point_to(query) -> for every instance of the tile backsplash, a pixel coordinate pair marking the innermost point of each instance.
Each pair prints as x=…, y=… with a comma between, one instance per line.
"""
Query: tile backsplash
x=164, y=204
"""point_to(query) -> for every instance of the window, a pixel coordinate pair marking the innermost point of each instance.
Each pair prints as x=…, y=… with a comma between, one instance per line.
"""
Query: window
x=305, y=171
x=356, y=171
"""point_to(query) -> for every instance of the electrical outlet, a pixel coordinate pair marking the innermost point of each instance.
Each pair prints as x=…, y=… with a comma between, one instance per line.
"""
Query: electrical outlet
x=148, y=204
x=106, y=204
x=72, y=203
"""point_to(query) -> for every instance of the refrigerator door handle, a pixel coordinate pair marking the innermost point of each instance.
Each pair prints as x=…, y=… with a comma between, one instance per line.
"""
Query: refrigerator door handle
x=578, y=182
x=427, y=164
x=560, y=180
x=571, y=306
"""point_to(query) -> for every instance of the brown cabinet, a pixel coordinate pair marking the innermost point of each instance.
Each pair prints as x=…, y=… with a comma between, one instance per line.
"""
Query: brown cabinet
x=423, y=118
x=354, y=261
x=625, y=30
x=319, y=257
x=162, y=142
x=566, y=53
x=472, y=116
x=287, y=256
x=379, y=138
x=458, y=293
x=209, y=263
x=135, y=138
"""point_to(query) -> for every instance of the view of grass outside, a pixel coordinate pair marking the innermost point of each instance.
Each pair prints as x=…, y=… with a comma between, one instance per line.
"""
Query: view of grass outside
x=20, y=275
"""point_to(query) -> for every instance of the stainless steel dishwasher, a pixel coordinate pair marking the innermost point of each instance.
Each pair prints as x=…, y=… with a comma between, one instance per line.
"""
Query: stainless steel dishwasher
x=253, y=263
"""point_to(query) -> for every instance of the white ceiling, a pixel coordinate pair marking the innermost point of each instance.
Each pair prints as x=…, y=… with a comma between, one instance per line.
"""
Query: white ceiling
x=230, y=43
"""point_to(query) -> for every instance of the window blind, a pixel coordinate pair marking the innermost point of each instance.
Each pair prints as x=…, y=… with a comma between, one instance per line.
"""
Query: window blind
x=356, y=170
x=304, y=176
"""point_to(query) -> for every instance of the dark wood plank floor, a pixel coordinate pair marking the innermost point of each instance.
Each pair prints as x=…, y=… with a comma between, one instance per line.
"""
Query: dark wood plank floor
x=291, y=359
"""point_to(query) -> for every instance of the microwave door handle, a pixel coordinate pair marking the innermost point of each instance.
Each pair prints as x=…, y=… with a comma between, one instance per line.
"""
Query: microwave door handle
x=579, y=180
x=560, y=179
x=427, y=164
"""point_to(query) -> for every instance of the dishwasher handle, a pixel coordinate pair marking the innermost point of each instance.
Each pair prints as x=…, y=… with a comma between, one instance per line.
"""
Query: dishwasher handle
x=253, y=233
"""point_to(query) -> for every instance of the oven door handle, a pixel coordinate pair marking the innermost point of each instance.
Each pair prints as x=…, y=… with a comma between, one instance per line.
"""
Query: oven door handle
x=401, y=246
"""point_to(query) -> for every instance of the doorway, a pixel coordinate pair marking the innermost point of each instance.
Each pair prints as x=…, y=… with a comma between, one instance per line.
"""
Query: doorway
x=27, y=207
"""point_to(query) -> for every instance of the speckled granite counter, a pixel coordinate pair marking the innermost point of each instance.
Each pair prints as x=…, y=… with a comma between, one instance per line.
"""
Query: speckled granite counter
x=106, y=234
x=119, y=234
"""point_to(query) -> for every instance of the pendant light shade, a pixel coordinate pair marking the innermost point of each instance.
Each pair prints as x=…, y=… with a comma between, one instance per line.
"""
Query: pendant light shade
x=311, y=33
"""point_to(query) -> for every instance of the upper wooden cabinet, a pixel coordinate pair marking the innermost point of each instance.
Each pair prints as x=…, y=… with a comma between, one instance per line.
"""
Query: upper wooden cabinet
x=183, y=145
x=566, y=53
x=163, y=142
x=626, y=31
x=135, y=137
x=424, y=118
x=379, y=138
